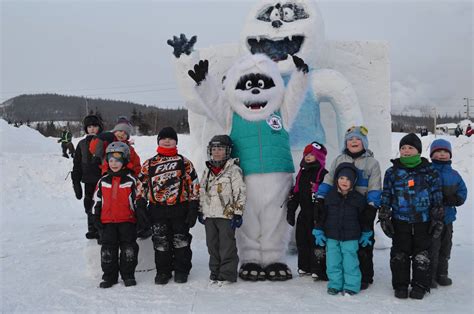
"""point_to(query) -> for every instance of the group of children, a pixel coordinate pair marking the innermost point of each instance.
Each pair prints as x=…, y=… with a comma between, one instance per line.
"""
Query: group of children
x=163, y=198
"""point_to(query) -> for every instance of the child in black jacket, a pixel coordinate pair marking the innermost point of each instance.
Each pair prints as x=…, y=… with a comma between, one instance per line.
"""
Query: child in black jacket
x=311, y=258
x=87, y=169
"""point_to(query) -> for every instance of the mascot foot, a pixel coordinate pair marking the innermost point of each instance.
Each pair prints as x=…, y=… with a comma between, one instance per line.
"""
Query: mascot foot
x=278, y=272
x=251, y=272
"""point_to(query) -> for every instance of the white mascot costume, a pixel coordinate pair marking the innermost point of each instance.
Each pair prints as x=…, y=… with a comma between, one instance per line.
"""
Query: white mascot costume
x=254, y=107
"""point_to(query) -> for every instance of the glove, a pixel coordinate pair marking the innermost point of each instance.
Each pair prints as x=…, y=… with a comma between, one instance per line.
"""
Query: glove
x=236, y=221
x=320, y=237
x=364, y=239
x=435, y=229
x=385, y=218
x=450, y=200
x=192, y=214
x=318, y=210
x=98, y=223
x=437, y=213
x=290, y=217
x=77, y=189
x=201, y=218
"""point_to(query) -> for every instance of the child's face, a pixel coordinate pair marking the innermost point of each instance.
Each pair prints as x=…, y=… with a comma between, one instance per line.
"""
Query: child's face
x=408, y=150
x=344, y=184
x=167, y=143
x=441, y=155
x=121, y=135
x=218, y=153
x=309, y=158
x=115, y=165
x=354, y=145
x=92, y=129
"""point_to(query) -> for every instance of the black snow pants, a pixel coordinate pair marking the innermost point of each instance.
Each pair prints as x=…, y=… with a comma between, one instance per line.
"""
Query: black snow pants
x=69, y=146
x=311, y=258
x=89, y=189
x=410, y=245
x=441, y=252
x=222, y=248
x=117, y=236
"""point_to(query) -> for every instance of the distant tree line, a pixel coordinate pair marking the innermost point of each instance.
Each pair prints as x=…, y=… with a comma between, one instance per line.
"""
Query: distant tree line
x=49, y=108
x=403, y=123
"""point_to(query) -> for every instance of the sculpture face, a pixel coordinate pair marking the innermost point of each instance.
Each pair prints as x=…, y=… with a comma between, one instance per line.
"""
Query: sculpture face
x=282, y=28
x=254, y=87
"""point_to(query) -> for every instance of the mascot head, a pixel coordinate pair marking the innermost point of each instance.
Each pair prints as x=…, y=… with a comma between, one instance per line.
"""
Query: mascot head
x=254, y=87
x=279, y=28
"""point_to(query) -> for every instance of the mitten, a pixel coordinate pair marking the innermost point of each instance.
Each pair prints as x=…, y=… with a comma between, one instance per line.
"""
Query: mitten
x=320, y=237
x=236, y=221
x=77, y=189
x=436, y=228
x=192, y=214
x=364, y=239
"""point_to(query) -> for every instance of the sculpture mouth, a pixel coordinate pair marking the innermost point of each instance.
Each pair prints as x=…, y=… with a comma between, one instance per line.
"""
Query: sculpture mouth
x=276, y=49
x=255, y=105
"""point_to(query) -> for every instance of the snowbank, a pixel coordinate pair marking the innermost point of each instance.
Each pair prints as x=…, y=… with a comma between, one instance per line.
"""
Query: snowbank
x=24, y=140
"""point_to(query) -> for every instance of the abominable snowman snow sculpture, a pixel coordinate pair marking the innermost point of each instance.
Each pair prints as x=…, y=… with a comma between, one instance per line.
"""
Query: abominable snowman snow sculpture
x=253, y=105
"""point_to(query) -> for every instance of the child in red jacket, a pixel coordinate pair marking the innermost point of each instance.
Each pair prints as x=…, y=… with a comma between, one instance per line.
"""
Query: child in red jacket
x=114, y=215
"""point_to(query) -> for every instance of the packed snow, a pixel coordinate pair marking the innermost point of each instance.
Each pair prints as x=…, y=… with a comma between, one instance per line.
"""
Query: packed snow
x=48, y=265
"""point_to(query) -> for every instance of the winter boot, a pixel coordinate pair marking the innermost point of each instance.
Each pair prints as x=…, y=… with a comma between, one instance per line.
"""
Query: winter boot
x=162, y=279
x=444, y=280
x=401, y=293
x=180, y=277
x=129, y=282
x=333, y=291
x=349, y=292
x=303, y=273
x=364, y=285
x=417, y=293
x=107, y=284
x=433, y=284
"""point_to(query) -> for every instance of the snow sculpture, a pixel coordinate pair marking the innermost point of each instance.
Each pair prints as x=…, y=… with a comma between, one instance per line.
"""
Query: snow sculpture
x=253, y=105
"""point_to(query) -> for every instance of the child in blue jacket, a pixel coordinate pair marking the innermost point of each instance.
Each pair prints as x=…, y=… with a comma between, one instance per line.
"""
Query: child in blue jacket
x=342, y=224
x=411, y=214
x=454, y=194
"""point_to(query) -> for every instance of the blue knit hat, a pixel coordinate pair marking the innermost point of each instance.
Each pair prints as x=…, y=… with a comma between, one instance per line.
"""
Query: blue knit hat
x=440, y=144
x=356, y=131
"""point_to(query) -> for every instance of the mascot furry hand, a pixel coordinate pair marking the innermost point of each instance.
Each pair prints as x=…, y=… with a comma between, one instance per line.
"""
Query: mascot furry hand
x=254, y=106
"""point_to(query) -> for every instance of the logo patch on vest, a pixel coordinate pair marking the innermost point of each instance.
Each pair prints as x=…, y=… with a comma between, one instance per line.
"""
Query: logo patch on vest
x=275, y=122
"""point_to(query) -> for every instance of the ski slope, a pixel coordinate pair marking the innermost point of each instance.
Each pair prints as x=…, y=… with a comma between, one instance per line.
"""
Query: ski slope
x=47, y=264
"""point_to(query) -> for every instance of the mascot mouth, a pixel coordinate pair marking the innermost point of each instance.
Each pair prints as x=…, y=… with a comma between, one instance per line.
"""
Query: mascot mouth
x=255, y=105
x=277, y=50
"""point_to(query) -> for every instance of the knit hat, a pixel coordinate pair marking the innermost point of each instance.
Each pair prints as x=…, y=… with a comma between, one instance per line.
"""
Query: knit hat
x=317, y=150
x=359, y=132
x=440, y=144
x=413, y=140
x=92, y=120
x=167, y=132
x=347, y=170
x=123, y=125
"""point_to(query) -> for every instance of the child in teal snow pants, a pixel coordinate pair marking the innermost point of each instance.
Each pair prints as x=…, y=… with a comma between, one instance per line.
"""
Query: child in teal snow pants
x=341, y=225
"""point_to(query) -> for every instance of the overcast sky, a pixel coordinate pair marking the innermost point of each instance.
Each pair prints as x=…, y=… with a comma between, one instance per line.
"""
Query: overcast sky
x=118, y=50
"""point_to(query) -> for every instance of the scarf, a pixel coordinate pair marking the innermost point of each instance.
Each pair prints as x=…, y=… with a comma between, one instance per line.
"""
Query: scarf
x=411, y=161
x=168, y=152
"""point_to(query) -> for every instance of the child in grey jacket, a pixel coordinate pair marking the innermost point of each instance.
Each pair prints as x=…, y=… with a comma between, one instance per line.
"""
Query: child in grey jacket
x=222, y=200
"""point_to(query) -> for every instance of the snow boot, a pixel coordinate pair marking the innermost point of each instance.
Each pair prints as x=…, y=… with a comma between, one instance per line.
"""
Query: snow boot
x=349, y=292
x=162, y=279
x=130, y=282
x=251, y=272
x=401, y=293
x=417, y=293
x=333, y=291
x=433, y=284
x=107, y=284
x=444, y=280
x=180, y=277
x=364, y=285
x=303, y=273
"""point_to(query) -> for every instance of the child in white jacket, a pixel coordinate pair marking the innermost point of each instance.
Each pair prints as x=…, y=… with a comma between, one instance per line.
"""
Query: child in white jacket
x=222, y=200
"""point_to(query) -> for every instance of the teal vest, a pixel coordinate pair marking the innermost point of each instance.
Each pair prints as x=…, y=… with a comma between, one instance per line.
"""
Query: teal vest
x=260, y=147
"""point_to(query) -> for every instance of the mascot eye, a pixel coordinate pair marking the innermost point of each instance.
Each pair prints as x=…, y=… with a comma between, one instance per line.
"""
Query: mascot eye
x=275, y=15
x=248, y=84
x=261, y=84
x=288, y=14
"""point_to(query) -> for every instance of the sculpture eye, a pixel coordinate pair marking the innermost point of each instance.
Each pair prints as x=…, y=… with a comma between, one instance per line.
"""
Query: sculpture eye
x=248, y=84
x=275, y=15
x=261, y=84
x=288, y=14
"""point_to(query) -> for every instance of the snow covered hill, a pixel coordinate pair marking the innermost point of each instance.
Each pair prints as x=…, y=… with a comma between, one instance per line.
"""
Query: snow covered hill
x=48, y=265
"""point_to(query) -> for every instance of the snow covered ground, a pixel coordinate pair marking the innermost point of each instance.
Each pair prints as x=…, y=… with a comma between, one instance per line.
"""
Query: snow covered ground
x=48, y=265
